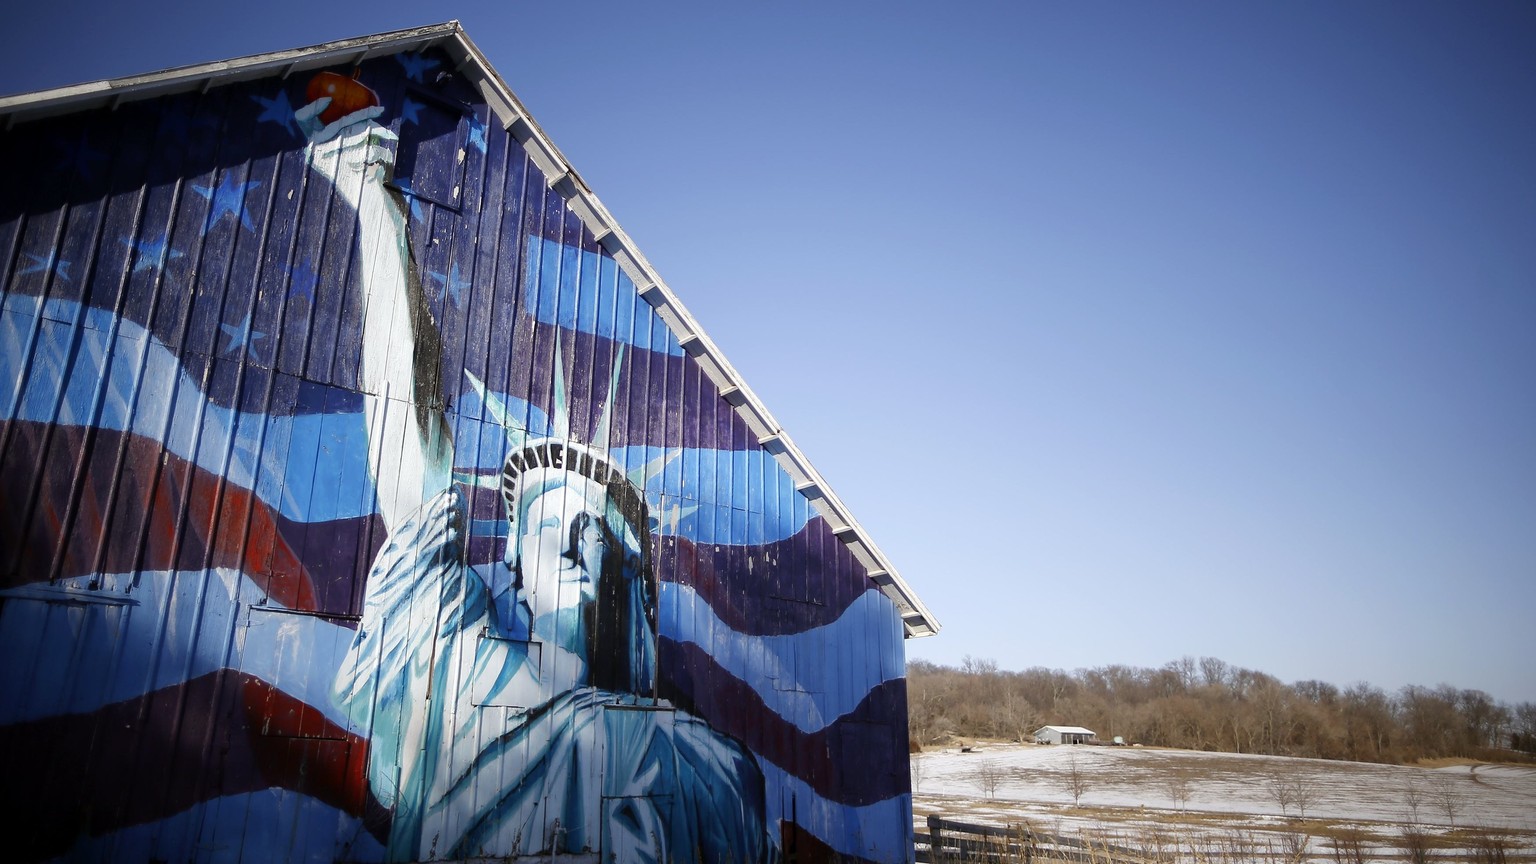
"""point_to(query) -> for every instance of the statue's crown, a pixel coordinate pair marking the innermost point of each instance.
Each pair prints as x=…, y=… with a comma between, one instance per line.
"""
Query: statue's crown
x=574, y=458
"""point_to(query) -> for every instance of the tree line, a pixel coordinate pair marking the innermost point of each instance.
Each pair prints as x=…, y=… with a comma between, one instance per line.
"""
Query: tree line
x=1207, y=704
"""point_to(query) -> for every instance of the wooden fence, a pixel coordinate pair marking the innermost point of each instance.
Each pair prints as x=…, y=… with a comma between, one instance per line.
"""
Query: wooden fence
x=948, y=841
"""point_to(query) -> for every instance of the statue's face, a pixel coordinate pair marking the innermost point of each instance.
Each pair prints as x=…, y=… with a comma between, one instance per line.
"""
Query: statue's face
x=577, y=551
x=562, y=543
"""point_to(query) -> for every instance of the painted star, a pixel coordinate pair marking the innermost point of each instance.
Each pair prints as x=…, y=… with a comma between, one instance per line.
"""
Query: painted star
x=302, y=280
x=228, y=197
x=151, y=254
x=239, y=337
x=43, y=264
x=476, y=133
x=277, y=110
x=415, y=65
x=410, y=111
x=453, y=284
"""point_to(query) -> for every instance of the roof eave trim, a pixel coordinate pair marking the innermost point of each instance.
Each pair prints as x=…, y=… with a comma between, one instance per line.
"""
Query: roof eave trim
x=113, y=92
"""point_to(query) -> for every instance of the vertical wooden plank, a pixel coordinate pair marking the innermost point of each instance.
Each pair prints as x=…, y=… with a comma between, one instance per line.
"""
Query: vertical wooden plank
x=629, y=422
x=86, y=145
x=578, y=290
x=170, y=303
x=123, y=248
x=16, y=199
x=311, y=274
x=66, y=269
x=459, y=283
x=165, y=257
x=337, y=273
x=509, y=332
x=233, y=199
x=287, y=280
x=493, y=286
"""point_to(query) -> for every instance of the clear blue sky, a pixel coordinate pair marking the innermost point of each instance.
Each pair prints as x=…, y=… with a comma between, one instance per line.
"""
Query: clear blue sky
x=1130, y=331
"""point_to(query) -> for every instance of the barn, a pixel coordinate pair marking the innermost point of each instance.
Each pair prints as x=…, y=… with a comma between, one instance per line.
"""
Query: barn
x=366, y=496
x=1064, y=735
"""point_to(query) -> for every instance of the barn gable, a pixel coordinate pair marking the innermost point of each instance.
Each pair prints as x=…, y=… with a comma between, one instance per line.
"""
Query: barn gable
x=468, y=62
x=284, y=566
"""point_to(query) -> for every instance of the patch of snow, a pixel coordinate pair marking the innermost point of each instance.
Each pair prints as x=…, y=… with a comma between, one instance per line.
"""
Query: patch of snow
x=1012, y=782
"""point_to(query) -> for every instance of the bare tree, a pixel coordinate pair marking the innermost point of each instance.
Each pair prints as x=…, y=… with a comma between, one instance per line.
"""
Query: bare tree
x=1447, y=797
x=917, y=773
x=1281, y=791
x=1291, y=787
x=1016, y=717
x=1293, y=846
x=1413, y=797
x=1490, y=848
x=1304, y=792
x=1236, y=845
x=1524, y=721
x=989, y=777
x=1155, y=846
x=1177, y=784
x=1076, y=779
x=1349, y=847
x=1416, y=843
x=1214, y=671
x=978, y=665
x=1184, y=668
x=1206, y=704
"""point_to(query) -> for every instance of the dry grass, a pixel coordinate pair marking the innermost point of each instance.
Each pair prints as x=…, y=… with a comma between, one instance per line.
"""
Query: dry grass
x=1451, y=762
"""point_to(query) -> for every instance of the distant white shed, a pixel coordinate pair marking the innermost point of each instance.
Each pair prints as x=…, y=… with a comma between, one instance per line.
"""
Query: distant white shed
x=1064, y=735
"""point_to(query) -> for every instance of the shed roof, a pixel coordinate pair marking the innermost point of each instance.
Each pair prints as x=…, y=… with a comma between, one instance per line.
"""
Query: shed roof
x=1066, y=730
x=473, y=65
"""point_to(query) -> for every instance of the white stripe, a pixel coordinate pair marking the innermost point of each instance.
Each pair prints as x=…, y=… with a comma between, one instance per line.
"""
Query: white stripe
x=791, y=672
x=180, y=625
x=878, y=831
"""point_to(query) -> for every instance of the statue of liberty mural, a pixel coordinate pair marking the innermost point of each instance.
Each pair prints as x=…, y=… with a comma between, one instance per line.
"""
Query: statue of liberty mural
x=511, y=705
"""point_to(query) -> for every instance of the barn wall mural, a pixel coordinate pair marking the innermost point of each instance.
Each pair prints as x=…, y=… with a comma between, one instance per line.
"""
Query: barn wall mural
x=355, y=507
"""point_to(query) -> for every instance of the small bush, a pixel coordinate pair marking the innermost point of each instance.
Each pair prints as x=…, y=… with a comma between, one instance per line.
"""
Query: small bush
x=1349, y=847
x=1292, y=846
x=1489, y=849
x=1416, y=844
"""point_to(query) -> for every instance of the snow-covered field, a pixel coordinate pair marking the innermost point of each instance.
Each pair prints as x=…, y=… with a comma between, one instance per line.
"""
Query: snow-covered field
x=1126, y=789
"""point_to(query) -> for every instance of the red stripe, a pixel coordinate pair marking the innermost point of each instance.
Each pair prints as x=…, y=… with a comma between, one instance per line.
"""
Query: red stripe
x=139, y=508
x=299, y=748
x=145, y=759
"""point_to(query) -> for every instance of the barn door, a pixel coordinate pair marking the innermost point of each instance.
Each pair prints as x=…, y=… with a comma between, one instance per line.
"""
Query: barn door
x=638, y=772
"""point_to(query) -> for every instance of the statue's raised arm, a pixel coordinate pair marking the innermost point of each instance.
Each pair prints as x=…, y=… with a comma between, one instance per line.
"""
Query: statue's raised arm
x=419, y=591
x=409, y=451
